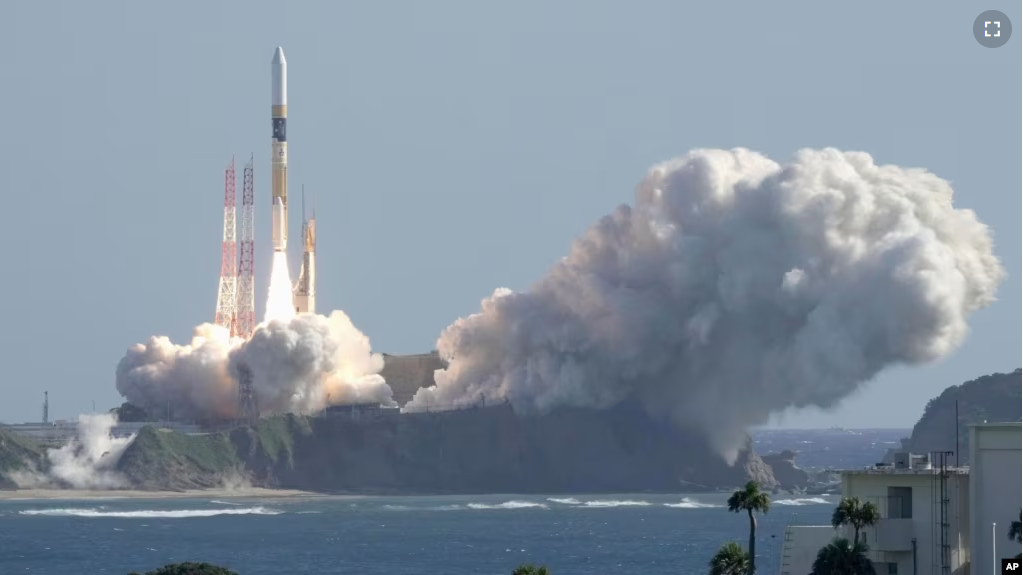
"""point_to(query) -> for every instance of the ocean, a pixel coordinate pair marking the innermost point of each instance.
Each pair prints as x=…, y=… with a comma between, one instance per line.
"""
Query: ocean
x=469, y=535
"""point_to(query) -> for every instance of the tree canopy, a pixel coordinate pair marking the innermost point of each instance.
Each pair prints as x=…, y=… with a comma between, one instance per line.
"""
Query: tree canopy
x=189, y=568
x=840, y=557
x=529, y=569
x=731, y=559
x=859, y=514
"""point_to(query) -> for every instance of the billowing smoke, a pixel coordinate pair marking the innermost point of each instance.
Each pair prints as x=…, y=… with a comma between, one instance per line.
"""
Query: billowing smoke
x=86, y=462
x=734, y=288
x=296, y=366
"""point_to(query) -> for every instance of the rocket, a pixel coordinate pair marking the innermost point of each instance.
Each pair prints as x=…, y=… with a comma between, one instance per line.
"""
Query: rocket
x=279, y=151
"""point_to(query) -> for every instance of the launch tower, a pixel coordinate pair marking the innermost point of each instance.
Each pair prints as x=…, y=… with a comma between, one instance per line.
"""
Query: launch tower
x=227, y=295
x=245, y=306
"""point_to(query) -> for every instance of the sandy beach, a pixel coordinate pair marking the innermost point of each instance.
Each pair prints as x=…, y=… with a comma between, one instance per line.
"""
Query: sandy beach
x=245, y=492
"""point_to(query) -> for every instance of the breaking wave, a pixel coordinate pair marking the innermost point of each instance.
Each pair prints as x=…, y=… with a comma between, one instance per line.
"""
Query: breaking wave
x=613, y=503
x=804, y=501
x=508, y=505
x=601, y=503
x=430, y=508
x=150, y=514
x=688, y=503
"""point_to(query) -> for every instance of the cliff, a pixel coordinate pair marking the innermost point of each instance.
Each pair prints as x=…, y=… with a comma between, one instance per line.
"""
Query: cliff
x=790, y=476
x=482, y=450
x=992, y=398
x=18, y=454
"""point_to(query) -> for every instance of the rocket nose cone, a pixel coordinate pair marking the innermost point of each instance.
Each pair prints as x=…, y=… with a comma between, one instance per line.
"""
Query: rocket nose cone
x=278, y=56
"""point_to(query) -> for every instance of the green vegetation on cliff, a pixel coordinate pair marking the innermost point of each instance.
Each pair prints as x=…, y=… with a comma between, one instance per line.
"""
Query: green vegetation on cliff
x=276, y=436
x=163, y=459
x=18, y=453
x=992, y=398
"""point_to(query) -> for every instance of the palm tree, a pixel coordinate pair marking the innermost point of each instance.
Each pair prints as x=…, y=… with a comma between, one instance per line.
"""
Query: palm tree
x=843, y=558
x=1014, y=528
x=529, y=569
x=851, y=511
x=1014, y=531
x=750, y=499
x=731, y=559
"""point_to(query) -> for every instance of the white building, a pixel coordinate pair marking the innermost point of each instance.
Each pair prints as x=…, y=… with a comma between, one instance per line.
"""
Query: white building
x=923, y=522
x=996, y=492
x=935, y=519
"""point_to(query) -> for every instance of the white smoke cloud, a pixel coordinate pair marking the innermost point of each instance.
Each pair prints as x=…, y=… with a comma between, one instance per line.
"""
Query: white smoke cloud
x=88, y=461
x=734, y=288
x=297, y=365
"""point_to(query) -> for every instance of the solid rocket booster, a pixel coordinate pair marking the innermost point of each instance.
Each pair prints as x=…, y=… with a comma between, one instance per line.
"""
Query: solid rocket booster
x=279, y=151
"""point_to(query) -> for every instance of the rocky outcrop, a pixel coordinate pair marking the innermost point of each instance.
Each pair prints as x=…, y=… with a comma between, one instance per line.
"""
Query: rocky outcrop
x=472, y=451
x=789, y=476
x=992, y=398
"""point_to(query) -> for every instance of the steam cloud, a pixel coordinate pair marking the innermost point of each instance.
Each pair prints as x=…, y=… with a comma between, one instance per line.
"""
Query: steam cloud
x=734, y=288
x=296, y=366
x=86, y=462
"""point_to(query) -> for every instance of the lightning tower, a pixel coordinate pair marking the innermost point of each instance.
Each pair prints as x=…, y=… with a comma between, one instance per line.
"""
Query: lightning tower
x=245, y=304
x=248, y=409
x=227, y=295
x=305, y=287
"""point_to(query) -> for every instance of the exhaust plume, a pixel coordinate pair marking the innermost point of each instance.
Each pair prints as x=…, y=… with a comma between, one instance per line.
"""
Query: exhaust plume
x=297, y=365
x=87, y=462
x=734, y=288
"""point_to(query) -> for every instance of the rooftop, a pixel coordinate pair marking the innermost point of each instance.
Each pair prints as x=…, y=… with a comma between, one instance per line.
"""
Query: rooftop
x=892, y=470
x=999, y=425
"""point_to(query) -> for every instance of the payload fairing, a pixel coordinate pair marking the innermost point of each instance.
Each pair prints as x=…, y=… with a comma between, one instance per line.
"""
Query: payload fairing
x=279, y=151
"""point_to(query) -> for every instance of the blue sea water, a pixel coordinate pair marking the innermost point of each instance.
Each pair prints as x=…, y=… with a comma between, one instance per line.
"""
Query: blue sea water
x=470, y=535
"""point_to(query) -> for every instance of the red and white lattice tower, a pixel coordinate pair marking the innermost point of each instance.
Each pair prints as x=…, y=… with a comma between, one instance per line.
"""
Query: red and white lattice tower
x=246, y=301
x=228, y=259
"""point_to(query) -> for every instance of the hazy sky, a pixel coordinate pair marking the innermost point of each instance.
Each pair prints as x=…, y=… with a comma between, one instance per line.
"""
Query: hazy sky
x=452, y=148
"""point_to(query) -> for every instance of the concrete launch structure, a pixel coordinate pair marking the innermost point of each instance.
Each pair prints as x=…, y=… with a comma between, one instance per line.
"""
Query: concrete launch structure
x=279, y=150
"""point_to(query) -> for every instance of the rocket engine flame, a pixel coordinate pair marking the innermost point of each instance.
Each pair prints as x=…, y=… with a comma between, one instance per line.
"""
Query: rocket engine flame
x=279, y=304
x=734, y=288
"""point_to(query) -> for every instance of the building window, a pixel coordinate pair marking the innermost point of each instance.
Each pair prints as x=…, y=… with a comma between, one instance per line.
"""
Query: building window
x=900, y=503
x=893, y=569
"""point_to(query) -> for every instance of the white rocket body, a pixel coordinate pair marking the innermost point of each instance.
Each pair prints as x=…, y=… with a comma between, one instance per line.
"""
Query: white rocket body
x=279, y=150
x=279, y=218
